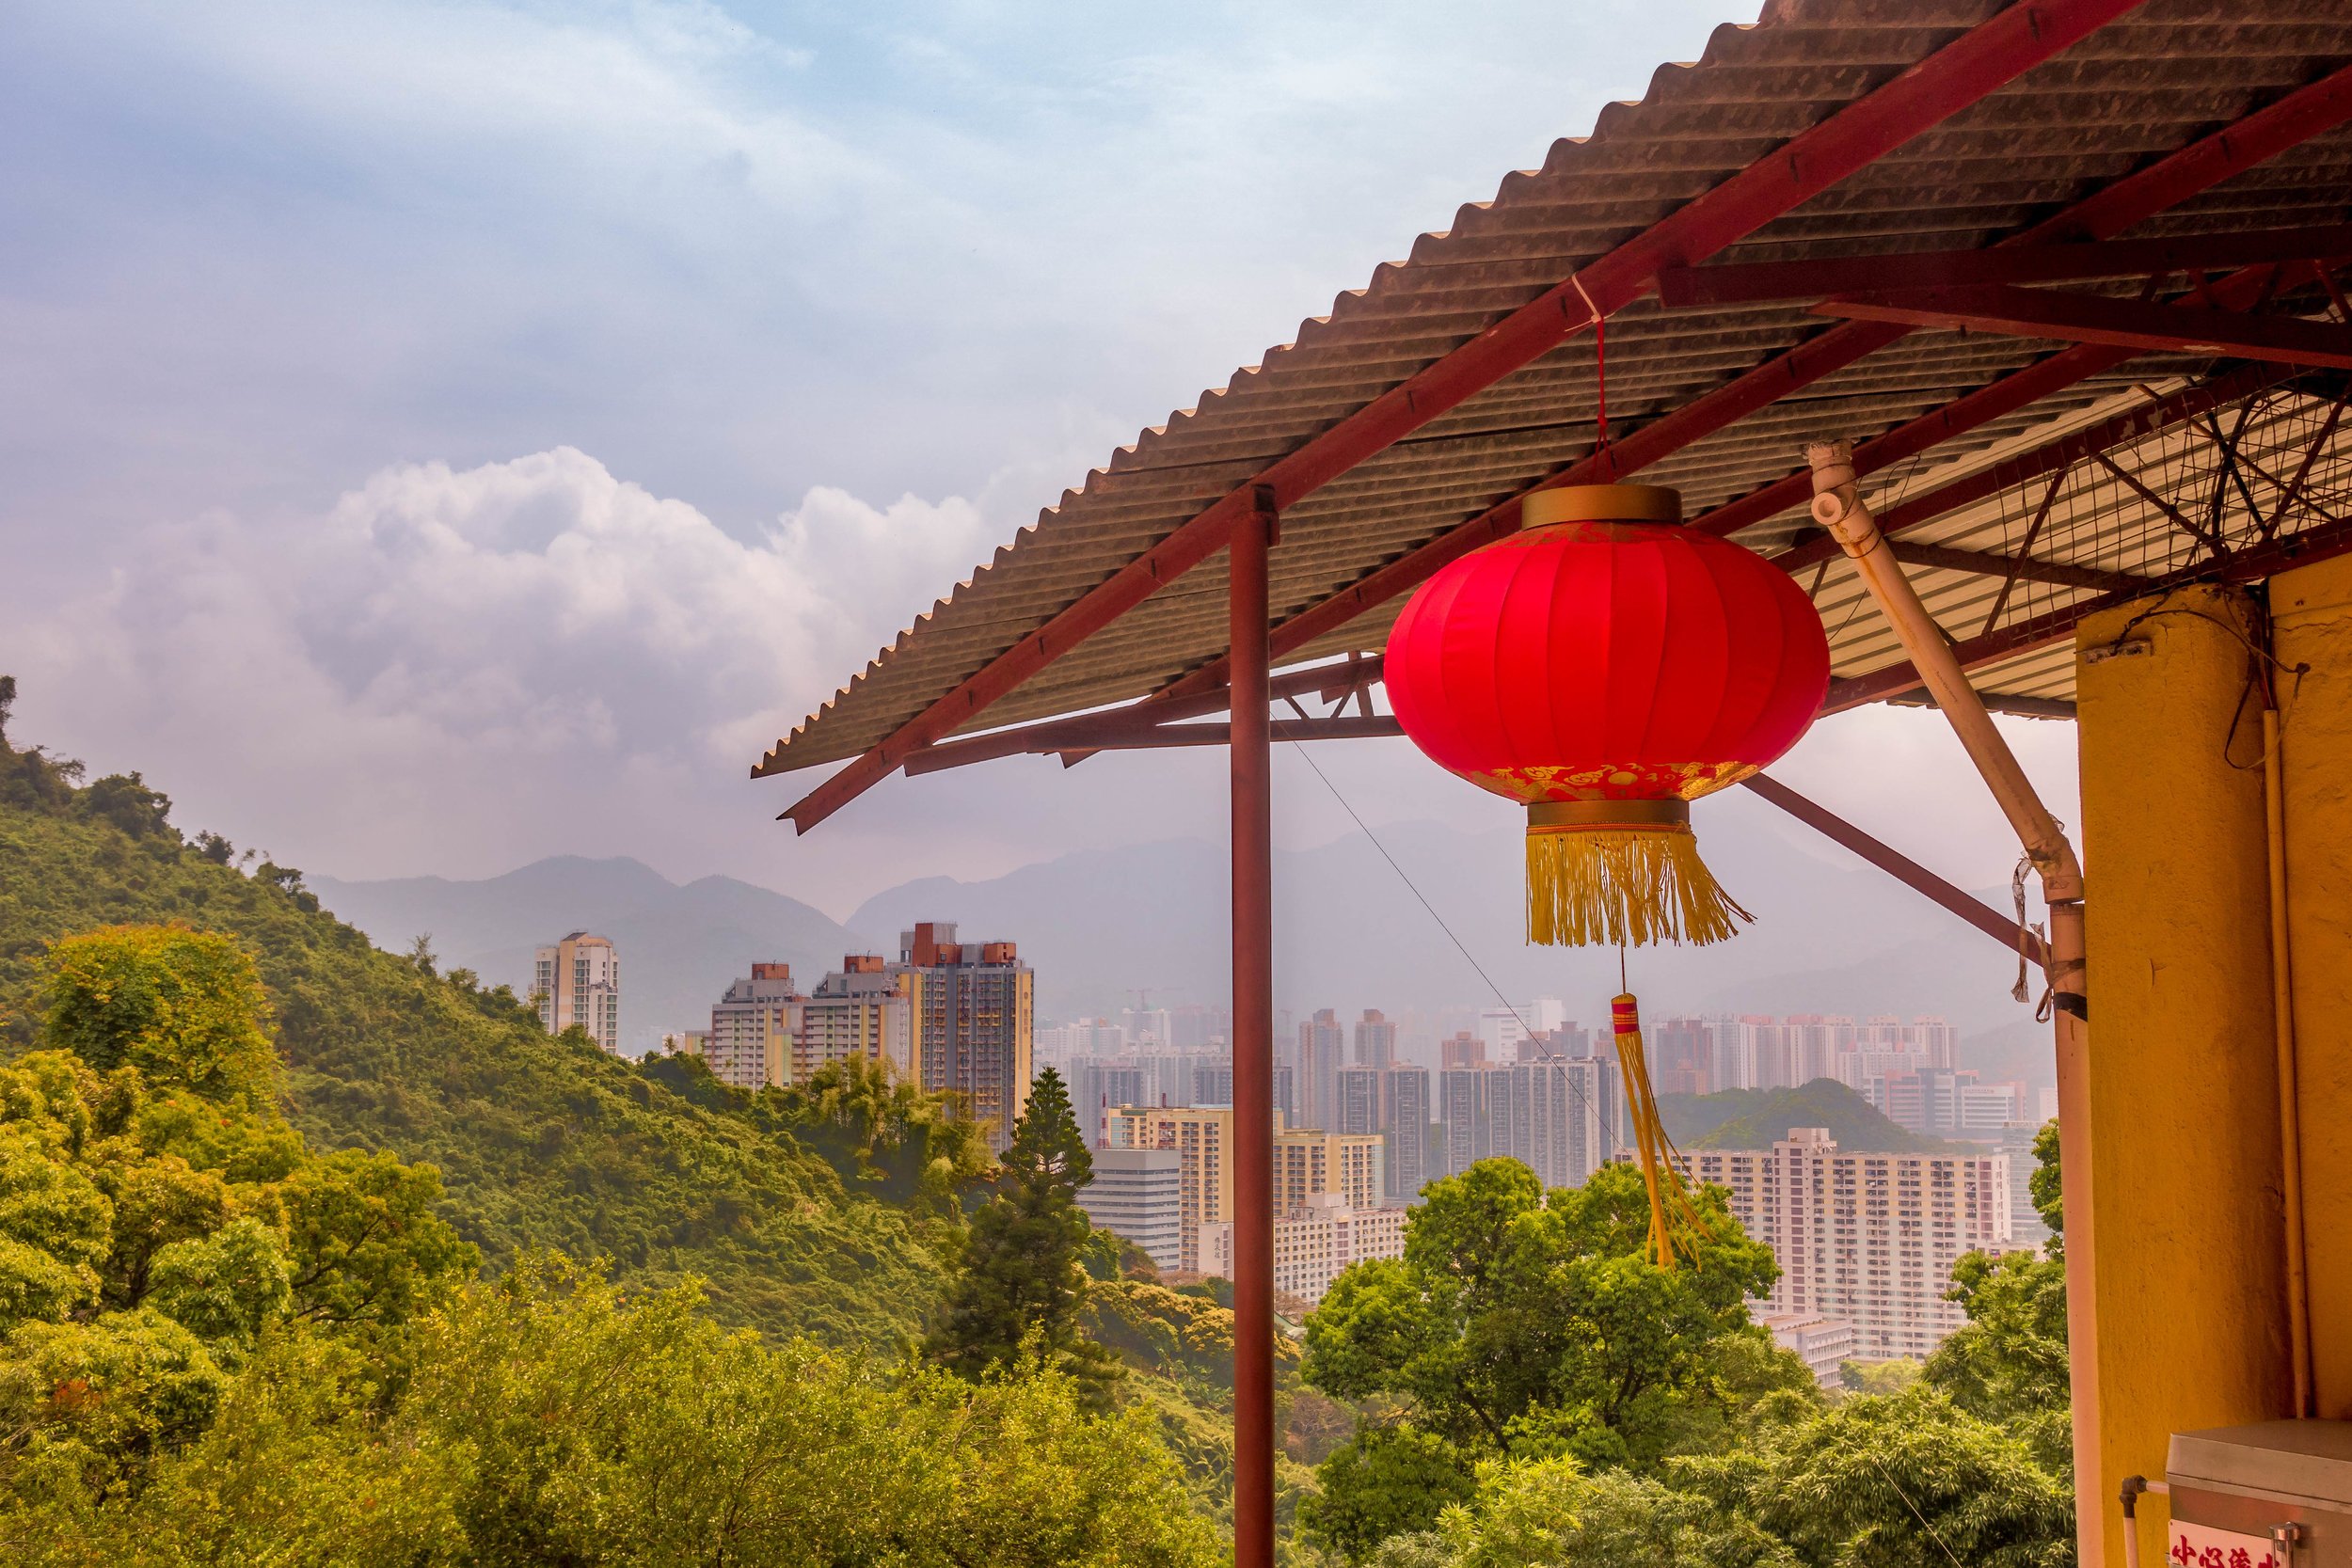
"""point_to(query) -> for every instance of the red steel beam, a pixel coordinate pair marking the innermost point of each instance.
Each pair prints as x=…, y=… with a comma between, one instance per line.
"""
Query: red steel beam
x=2128, y=428
x=1107, y=728
x=2246, y=566
x=1154, y=737
x=2127, y=323
x=1901, y=866
x=2308, y=112
x=1986, y=563
x=2011, y=392
x=1998, y=701
x=1758, y=282
x=1983, y=59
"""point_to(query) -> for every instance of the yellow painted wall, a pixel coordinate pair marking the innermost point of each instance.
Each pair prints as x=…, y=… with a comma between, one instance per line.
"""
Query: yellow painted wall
x=2185, y=1185
x=2312, y=612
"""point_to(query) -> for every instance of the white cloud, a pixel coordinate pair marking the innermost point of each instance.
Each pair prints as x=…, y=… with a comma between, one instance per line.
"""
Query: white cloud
x=518, y=656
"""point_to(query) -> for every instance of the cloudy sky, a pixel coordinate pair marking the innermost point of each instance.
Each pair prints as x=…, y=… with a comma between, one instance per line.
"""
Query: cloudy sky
x=438, y=435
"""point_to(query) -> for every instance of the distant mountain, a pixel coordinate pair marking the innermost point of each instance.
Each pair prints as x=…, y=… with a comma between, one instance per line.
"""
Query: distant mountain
x=1756, y=1118
x=679, y=946
x=1832, y=935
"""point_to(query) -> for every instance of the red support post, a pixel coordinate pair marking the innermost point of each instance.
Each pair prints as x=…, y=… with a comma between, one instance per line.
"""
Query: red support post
x=1251, y=761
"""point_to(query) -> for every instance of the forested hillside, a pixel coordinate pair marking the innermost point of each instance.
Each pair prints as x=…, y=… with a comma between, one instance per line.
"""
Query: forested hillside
x=1756, y=1118
x=540, y=1142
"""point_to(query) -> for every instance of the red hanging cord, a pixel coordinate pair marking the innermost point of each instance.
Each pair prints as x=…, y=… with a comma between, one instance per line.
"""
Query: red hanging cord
x=1600, y=359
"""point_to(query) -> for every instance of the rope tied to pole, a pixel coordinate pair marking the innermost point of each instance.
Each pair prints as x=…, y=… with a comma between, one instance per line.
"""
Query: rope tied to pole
x=1600, y=358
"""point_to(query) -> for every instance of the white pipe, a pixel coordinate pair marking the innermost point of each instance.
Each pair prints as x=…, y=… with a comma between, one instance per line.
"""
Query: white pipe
x=1837, y=506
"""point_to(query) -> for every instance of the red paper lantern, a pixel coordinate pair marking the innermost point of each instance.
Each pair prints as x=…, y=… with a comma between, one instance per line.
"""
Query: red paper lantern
x=1605, y=668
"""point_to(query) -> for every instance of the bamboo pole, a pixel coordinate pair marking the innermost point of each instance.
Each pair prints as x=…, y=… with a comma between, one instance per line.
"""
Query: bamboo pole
x=1839, y=507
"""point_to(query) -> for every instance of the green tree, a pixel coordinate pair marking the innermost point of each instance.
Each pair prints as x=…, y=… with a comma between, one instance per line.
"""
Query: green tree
x=1555, y=1513
x=55, y=1227
x=2049, y=1195
x=183, y=1007
x=1531, y=1323
x=366, y=1244
x=1895, y=1482
x=225, y=1287
x=2009, y=1362
x=1022, y=1287
x=1387, y=1480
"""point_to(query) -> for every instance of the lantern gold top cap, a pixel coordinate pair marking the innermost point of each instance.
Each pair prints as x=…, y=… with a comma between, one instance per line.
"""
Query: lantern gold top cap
x=1601, y=503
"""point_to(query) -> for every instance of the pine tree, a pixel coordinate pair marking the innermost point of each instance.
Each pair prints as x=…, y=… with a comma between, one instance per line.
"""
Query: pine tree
x=1022, y=1287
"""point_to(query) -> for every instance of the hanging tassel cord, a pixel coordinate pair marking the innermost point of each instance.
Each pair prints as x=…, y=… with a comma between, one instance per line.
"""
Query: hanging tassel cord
x=1615, y=886
x=1677, y=1225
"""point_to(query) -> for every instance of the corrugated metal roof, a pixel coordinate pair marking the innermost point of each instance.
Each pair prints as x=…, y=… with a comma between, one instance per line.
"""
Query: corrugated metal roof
x=2138, y=88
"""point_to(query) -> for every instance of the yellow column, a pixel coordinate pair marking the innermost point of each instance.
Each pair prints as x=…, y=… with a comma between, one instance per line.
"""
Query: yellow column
x=2185, y=1188
x=2312, y=612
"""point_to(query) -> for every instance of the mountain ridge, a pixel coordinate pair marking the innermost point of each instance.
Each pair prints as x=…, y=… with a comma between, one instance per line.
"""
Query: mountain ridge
x=1102, y=925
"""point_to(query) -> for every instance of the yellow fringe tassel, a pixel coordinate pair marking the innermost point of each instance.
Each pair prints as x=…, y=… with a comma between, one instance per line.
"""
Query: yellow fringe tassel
x=1676, y=1225
x=1589, y=887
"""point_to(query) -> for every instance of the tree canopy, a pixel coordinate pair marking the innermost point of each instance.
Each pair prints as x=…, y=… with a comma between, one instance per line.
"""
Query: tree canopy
x=1022, y=1286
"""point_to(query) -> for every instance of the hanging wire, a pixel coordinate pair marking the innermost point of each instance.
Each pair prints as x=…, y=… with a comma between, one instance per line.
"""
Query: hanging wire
x=1913, y=1507
x=1411, y=887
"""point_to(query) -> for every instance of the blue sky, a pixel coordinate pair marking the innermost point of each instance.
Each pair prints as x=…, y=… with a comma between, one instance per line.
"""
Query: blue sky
x=437, y=435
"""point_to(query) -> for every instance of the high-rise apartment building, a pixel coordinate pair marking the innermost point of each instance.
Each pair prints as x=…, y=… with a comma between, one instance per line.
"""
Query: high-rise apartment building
x=1321, y=1051
x=1554, y=1044
x=1985, y=1109
x=1559, y=1117
x=1465, y=1116
x=861, y=1010
x=1097, y=1083
x=1501, y=1029
x=1312, y=1244
x=1356, y=1100
x=752, y=1026
x=1057, y=1045
x=1202, y=1138
x=1138, y=1194
x=1460, y=1049
x=1404, y=1118
x=578, y=981
x=2025, y=1226
x=1865, y=1239
x=1375, y=1039
x=973, y=1020
x=1682, y=1055
x=1306, y=1161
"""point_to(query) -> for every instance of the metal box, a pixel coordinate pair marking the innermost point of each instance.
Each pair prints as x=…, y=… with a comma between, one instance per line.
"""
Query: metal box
x=2283, y=1488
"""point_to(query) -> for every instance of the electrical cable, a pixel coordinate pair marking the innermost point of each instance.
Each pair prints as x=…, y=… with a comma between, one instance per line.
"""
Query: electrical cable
x=1365, y=829
x=1914, y=1509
